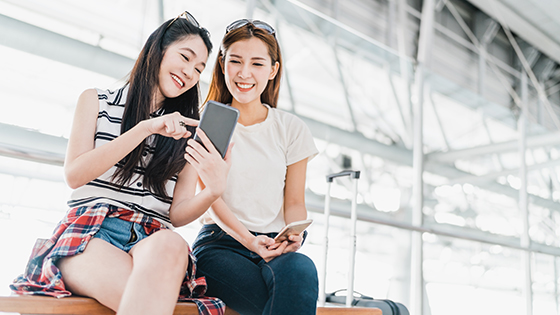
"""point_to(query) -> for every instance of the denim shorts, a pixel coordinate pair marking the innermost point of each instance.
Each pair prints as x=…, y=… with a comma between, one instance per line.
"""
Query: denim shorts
x=121, y=233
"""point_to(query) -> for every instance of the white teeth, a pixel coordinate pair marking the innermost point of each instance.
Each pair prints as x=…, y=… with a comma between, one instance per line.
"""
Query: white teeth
x=178, y=80
x=245, y=86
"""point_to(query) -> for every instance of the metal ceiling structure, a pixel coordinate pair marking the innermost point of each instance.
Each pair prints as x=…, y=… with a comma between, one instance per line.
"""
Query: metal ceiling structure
x=535, y=21
x=436, y=95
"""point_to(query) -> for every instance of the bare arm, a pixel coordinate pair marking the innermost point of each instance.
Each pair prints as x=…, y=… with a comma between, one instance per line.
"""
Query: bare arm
x=223, y=216
x=187, y=206
x=294, y=192
x=228, y=222
x=85, y=163
x=294, y=210
x=294, y=200
x=212, y=171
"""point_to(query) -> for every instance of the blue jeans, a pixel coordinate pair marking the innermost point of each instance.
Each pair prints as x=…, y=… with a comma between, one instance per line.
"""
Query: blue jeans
x=121, y=233
x=287, y=284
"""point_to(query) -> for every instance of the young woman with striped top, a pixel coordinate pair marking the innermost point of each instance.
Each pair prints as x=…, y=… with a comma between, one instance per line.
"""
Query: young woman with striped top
x=126, y=161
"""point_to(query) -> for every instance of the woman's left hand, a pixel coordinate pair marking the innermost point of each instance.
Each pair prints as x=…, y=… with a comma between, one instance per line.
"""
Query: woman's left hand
x=294, y=244
x=208, y=163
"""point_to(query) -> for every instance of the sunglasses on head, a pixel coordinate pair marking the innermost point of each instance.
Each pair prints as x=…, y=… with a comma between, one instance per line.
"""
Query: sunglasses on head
x=190, y=18
x=256, y=23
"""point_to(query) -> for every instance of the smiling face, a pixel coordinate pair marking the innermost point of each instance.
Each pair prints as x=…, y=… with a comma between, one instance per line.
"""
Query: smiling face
x=247, y=69
x=181, y=66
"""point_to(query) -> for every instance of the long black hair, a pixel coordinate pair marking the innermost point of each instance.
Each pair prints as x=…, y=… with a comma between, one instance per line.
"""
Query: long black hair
x=168, y=156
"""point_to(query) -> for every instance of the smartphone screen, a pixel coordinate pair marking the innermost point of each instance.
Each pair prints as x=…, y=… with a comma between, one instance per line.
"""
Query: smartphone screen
x=218, y=122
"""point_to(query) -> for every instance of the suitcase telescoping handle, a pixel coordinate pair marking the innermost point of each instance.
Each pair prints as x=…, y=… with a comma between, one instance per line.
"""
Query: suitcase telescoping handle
x=353, y=218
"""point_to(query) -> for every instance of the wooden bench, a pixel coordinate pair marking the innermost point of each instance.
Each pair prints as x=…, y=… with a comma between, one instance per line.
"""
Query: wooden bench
x=84, y=306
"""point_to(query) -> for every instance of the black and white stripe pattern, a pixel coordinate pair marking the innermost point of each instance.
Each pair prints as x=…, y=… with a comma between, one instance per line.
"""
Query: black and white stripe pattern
x=133, y=196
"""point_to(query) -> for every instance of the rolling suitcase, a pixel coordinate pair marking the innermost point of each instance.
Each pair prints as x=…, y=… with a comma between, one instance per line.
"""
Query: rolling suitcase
x=355, y=175
x=387, y=307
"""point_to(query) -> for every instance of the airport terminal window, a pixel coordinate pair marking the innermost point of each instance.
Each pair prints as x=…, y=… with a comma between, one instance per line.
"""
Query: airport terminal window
x=348, y=80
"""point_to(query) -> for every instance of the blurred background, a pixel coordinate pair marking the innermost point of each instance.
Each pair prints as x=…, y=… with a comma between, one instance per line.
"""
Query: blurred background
x=449, y=108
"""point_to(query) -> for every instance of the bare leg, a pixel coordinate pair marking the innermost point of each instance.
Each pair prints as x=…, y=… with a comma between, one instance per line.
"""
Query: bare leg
x=101, y=272
x=148, y=282
x=160, y=262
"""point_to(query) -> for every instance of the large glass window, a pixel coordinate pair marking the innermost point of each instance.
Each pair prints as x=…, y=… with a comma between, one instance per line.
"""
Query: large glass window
x=349, y=77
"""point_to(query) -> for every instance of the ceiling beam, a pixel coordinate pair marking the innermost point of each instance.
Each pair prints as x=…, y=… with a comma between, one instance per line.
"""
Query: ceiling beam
x=41, y=42
x=22, y=143
x=523, y=28
x=474, y=179
x=341, y=208
x=495, y=148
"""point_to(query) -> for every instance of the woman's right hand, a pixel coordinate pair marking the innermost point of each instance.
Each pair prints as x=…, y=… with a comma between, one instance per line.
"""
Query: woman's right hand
x=261, y=245
x=170, y=125
x=208, y=163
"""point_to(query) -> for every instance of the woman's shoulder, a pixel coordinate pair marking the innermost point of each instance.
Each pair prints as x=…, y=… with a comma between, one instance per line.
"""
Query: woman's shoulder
x=89, y=93
x=113, y=97
x=287, y=118
x=290, y=122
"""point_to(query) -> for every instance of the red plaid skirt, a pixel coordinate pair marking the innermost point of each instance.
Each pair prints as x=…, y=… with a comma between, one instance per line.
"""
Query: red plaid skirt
x=42, y=276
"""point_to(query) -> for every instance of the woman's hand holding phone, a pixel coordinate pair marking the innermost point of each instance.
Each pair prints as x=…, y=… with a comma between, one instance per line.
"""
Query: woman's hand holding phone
x=208, y=163
x=267, y=248
x=293, y=244
x=218, y=122
x=291, y=235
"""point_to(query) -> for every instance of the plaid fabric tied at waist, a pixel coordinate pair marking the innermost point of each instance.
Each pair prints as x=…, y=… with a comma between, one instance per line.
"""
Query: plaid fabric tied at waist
x=72, y=234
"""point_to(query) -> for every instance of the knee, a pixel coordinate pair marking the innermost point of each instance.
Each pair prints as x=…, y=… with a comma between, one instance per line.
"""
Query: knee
x=163, y=249
x=293, y=281
x=297, y=267
x=294, y=273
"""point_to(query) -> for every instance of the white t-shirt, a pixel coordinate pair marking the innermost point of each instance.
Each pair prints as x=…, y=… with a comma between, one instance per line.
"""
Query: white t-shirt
x=260, y=157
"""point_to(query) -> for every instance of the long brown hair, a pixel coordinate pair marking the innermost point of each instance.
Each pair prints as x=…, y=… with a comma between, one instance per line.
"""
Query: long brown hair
x=168, y=158
x=218, y=90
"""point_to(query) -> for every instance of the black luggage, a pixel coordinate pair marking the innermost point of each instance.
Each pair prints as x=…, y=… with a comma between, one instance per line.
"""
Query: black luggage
x=387, y=307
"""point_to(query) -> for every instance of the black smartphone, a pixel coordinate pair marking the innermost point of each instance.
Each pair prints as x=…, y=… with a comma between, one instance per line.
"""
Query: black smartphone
x=218, y=122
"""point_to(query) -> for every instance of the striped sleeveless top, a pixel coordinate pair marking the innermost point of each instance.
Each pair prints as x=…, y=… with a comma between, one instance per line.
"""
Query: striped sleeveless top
x=103, y=189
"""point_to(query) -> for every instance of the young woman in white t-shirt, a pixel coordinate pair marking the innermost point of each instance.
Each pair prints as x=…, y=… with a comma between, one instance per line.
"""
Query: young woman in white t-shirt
x=265, y=189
